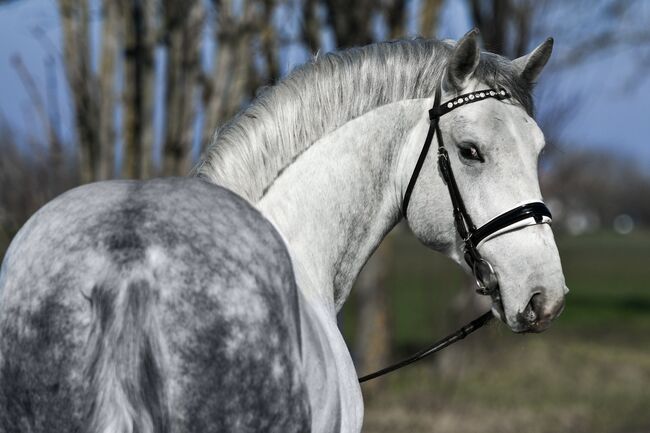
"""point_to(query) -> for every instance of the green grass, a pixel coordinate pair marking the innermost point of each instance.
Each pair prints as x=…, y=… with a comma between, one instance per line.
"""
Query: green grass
x=609, y=278
x=539, y=385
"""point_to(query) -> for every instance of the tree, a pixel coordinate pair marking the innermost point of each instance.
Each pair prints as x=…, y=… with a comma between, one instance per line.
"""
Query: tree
x=133, y=32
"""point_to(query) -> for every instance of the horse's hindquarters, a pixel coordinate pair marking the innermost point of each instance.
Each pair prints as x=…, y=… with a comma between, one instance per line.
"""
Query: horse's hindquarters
x=167, y=306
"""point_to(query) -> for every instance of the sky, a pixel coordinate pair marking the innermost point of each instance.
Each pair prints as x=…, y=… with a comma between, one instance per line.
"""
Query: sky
x=611, y=115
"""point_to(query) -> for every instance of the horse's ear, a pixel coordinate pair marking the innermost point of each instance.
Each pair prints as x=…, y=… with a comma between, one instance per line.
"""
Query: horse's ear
x=531, y=65
x=463, y=61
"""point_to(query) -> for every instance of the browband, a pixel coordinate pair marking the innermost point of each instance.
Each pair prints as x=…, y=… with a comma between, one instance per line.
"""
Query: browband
x=442, y=109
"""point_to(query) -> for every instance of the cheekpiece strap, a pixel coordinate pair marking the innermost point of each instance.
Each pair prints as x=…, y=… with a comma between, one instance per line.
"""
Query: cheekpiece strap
x=467, y=98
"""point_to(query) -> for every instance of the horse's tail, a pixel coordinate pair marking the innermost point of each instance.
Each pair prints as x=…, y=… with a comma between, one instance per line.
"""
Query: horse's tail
x=124, y=371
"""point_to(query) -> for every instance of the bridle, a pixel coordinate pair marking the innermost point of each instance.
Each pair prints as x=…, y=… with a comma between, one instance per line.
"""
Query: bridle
x=520, y=216
x=530, y=213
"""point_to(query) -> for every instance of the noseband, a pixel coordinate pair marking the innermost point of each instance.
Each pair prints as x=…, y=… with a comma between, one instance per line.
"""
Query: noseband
x=520, y=216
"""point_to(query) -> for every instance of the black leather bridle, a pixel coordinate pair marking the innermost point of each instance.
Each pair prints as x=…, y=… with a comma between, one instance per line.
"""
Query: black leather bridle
x=537, y=212
x=486, y=277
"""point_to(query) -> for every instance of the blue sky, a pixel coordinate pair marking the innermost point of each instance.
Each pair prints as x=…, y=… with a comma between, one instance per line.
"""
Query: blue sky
x=611, y=115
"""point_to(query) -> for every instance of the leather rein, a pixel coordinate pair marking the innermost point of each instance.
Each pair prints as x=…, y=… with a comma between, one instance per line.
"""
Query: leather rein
x=530, y=213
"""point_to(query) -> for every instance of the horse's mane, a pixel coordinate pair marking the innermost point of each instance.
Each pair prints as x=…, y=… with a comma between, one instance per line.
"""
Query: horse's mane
x=248, y=152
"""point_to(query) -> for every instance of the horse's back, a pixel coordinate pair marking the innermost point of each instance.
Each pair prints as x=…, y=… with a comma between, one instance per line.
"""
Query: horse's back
x=160, y=306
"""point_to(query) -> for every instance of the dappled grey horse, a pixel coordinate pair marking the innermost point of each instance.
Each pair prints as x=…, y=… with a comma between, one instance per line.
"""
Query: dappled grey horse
x=209, y=304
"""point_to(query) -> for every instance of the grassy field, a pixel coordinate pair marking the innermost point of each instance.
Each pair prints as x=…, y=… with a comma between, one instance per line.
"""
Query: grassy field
x=589, y=373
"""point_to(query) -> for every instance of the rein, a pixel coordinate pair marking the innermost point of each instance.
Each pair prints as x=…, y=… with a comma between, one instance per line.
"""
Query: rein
x=530, y=213
x=435, y=347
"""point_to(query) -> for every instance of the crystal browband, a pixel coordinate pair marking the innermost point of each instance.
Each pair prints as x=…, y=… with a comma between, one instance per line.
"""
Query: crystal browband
x=467, y=98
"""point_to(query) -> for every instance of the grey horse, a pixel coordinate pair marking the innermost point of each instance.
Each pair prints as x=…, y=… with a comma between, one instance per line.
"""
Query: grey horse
x=210, y=304
x=158, y=306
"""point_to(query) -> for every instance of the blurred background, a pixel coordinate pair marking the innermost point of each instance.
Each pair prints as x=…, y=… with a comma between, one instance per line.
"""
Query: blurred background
x=100, y=89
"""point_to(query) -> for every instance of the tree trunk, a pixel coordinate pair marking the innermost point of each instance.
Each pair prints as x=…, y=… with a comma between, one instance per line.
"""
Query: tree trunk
x=270, y=43
x=148, y=87
x=350, y=21
x=74, y=18
x=395, y=16
x=183, y=30
x=138, y=58
x=429, y=14
x=311, y=30
x=109, y=53
x=231, y=78
x=373, y=337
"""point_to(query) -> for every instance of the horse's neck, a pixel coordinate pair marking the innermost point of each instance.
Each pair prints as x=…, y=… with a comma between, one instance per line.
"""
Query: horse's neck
x=333, y=206
x=339, y=198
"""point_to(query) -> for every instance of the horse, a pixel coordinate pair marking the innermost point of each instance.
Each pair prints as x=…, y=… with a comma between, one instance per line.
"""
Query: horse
x=209, y=303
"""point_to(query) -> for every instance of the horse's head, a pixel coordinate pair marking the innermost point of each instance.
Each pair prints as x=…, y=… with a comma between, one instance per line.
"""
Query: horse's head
x=493, y=148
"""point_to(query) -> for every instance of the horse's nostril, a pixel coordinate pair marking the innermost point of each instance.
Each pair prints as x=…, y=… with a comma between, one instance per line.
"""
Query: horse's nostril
x=533, y=310
x=537, y=303
x=537, y=316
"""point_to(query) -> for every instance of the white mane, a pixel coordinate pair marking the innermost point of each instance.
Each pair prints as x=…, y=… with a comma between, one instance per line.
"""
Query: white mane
x=249, y=152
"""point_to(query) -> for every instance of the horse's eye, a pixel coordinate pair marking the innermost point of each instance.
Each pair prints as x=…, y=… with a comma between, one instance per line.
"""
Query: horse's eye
x=471, y=153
